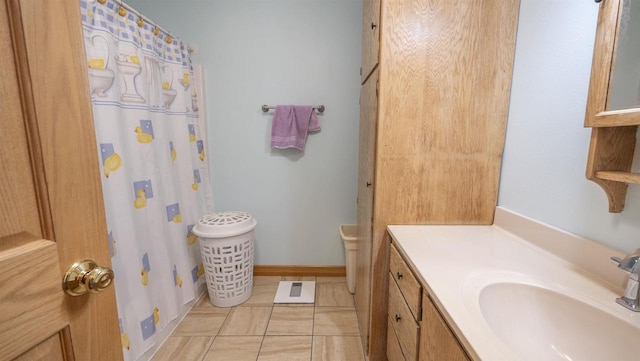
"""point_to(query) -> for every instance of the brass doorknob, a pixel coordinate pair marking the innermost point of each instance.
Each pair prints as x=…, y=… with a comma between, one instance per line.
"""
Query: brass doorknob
x=86, y=276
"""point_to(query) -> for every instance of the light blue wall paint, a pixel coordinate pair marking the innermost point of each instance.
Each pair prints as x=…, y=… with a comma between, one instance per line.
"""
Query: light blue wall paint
x=546, y=145
x=300, y=206
x=278, y=52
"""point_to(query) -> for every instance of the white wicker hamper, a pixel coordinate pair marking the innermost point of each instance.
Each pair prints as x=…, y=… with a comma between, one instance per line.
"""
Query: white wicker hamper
x=226, y=244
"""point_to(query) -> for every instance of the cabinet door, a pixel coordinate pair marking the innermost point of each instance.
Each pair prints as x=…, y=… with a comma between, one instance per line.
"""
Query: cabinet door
x=368, y=117
x=436, y=340
x=370, y=36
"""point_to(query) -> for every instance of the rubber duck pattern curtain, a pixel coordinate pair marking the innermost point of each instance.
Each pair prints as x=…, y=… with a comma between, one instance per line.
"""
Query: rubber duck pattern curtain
x=154, y=174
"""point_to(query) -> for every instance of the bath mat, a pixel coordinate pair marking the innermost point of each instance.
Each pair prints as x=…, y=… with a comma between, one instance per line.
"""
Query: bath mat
x=295, y=292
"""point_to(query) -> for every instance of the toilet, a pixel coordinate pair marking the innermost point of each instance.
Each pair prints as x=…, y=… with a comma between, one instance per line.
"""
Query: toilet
x=100, y=81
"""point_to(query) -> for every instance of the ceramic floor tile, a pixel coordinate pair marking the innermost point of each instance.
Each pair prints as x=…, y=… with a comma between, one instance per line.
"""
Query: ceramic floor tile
x=285, y=348
x=335, y=321
x=236, y=348
x=201, y=323
x=261, y=296
x=333, y=294
x=246, y=321
x=183, y=348
x=341, y=279
x=337, y=348
x=291, y=321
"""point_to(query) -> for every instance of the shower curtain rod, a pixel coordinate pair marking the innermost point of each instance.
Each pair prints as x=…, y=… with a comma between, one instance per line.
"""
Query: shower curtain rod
x=191, y=48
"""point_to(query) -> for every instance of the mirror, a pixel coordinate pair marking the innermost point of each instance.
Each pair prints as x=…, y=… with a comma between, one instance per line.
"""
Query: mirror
x=613, y=104
x=625, y=81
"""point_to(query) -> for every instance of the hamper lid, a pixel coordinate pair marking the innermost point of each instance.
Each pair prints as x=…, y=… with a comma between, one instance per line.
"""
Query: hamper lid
x=224, y=224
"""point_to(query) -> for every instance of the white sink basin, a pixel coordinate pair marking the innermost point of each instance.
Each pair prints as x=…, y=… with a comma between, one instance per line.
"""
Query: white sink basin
x=546, y=325
x=537, y=322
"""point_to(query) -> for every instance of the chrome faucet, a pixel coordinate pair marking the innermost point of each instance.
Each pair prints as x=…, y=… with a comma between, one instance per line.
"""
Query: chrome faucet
x=630, y=264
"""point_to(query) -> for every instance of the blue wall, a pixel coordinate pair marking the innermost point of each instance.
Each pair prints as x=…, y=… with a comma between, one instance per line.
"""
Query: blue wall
x=278, y=52
x=307, y=51
x=545, y=157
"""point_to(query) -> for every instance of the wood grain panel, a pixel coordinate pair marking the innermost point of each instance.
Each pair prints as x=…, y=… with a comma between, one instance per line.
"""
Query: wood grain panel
x=436, y=341
x=394, y=352
x=370, y=37
x=366, y=183
x=406, y=282
x=16, y=178
x=444, y=93
x=404, y=325
x=50, y=350
x=56, y=63
x=32, y=311
x=445, y=75
x=326, y=271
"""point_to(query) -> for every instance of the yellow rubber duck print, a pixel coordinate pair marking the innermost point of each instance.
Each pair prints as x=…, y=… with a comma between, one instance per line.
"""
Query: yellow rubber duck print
x=141, y=200
x=194, y=186
x=174, y=155
x=96, y=63
x=134, y=59
x=191, y=239
x=177, y=218
x=145, y=276
x=156, y=316
x=200, y=270
x=143, y=137
x=202, y=155
x=125, y=341
x=178, y=281
x=112, y=163
x=192, y=137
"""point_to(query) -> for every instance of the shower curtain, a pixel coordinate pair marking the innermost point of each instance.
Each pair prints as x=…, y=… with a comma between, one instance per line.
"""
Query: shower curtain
x=153, y=165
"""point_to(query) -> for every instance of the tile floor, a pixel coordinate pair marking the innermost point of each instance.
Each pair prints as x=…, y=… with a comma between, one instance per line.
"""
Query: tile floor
x=259, y=330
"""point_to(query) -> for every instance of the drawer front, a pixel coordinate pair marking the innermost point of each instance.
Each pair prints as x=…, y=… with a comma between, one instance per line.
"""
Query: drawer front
x=408, y=284
x=403, y=323
x=394, y=353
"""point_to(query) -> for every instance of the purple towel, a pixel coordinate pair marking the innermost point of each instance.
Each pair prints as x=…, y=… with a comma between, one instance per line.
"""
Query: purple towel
x=291, y=124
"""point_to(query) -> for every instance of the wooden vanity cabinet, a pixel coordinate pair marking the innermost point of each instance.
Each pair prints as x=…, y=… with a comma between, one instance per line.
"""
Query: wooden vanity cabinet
x=433, y=110
x=437, y=342
x=416, y=330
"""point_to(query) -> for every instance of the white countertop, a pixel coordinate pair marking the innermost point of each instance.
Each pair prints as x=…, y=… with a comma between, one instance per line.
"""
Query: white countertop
x=453, y=262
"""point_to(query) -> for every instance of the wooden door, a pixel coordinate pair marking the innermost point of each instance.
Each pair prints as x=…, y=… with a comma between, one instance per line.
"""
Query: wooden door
x=51, y=212
x=368, y=116
x=370, y=37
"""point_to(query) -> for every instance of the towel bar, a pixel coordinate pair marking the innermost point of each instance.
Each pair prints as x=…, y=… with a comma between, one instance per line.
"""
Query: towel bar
x=265, y=108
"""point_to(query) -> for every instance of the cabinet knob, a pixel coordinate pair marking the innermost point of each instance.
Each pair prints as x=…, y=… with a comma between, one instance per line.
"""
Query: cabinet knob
x=373, y=26
x=399, y=275
x=398, y=318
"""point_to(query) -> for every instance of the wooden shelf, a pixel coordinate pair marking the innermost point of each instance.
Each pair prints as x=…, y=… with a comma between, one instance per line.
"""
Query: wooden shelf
x=626, y=177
